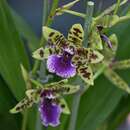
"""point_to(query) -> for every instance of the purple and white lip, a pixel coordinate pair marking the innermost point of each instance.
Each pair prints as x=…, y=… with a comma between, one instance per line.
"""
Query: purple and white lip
x=61, y=65
x=50, y=110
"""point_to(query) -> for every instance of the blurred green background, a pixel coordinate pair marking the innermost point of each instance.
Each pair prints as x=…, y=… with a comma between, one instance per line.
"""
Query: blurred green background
x=102, y=107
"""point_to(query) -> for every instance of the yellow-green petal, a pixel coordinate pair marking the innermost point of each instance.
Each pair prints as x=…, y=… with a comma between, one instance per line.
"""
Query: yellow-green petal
x=76, y=34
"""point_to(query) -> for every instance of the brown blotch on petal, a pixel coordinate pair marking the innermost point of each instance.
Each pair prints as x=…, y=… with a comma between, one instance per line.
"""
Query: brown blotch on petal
x=93, y=56
x=51, y=34
x=18, y=108
x=76, y=34
x=77, y=30
x=81, y=38
x=87, y=75
x=62, y=105
x=41, y=53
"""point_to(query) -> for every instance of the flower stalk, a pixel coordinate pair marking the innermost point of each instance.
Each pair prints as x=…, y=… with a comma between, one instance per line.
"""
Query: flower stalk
x=77, y=96
x=24, y=122
x=117, y=6
x=82, y=15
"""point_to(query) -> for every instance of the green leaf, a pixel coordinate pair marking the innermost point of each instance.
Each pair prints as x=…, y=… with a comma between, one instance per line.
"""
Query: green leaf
x=97, y=104
x=12, y=52
x=122, y=110
x=119, y=114
x=23, y=27
x=6, y=102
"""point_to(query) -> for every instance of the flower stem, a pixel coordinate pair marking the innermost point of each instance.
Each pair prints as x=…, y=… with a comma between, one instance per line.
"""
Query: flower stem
x=117, y=6
x=25, y=117
x=52, y=12
x=122, y=19
x=110, y=9
x=82, y=15
x=77, y=96
x=38, y=122
x=88, y=21
x=45, y=11
x=75, y=106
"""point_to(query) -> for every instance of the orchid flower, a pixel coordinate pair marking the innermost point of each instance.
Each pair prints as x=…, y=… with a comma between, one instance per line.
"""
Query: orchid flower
x=51, y=102
x=67, y=57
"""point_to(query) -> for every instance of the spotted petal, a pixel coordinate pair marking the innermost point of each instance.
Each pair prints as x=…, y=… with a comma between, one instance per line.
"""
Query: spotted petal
x=123, y=64
x=117, y=80
x=62, y=87
x=41, y=53
x=94, y=56
x=22, y=105
x=86, y=55
x=33, y=96
x=95, y=39
x=76, y=35
x=54, y=38
x=64, y=106
x=85, y=72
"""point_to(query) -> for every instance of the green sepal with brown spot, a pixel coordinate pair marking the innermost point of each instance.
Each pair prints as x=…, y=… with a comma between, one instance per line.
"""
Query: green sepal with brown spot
x=123, y=64
x=94, y=56
x=62, y=87
x=64, y=106
x=43, y=53
x=60, y=10
x=22, y=105
x=95, y=41
x=85, y=72
x=54, y=37
x=89, y=55
x=76, y=34
x=32, y=96
x=117, y=80
x=86, y=55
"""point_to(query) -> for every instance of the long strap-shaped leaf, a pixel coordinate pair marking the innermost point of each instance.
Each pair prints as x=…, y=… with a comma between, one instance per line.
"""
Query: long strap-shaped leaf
x=117, y=80
x=12, y=52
